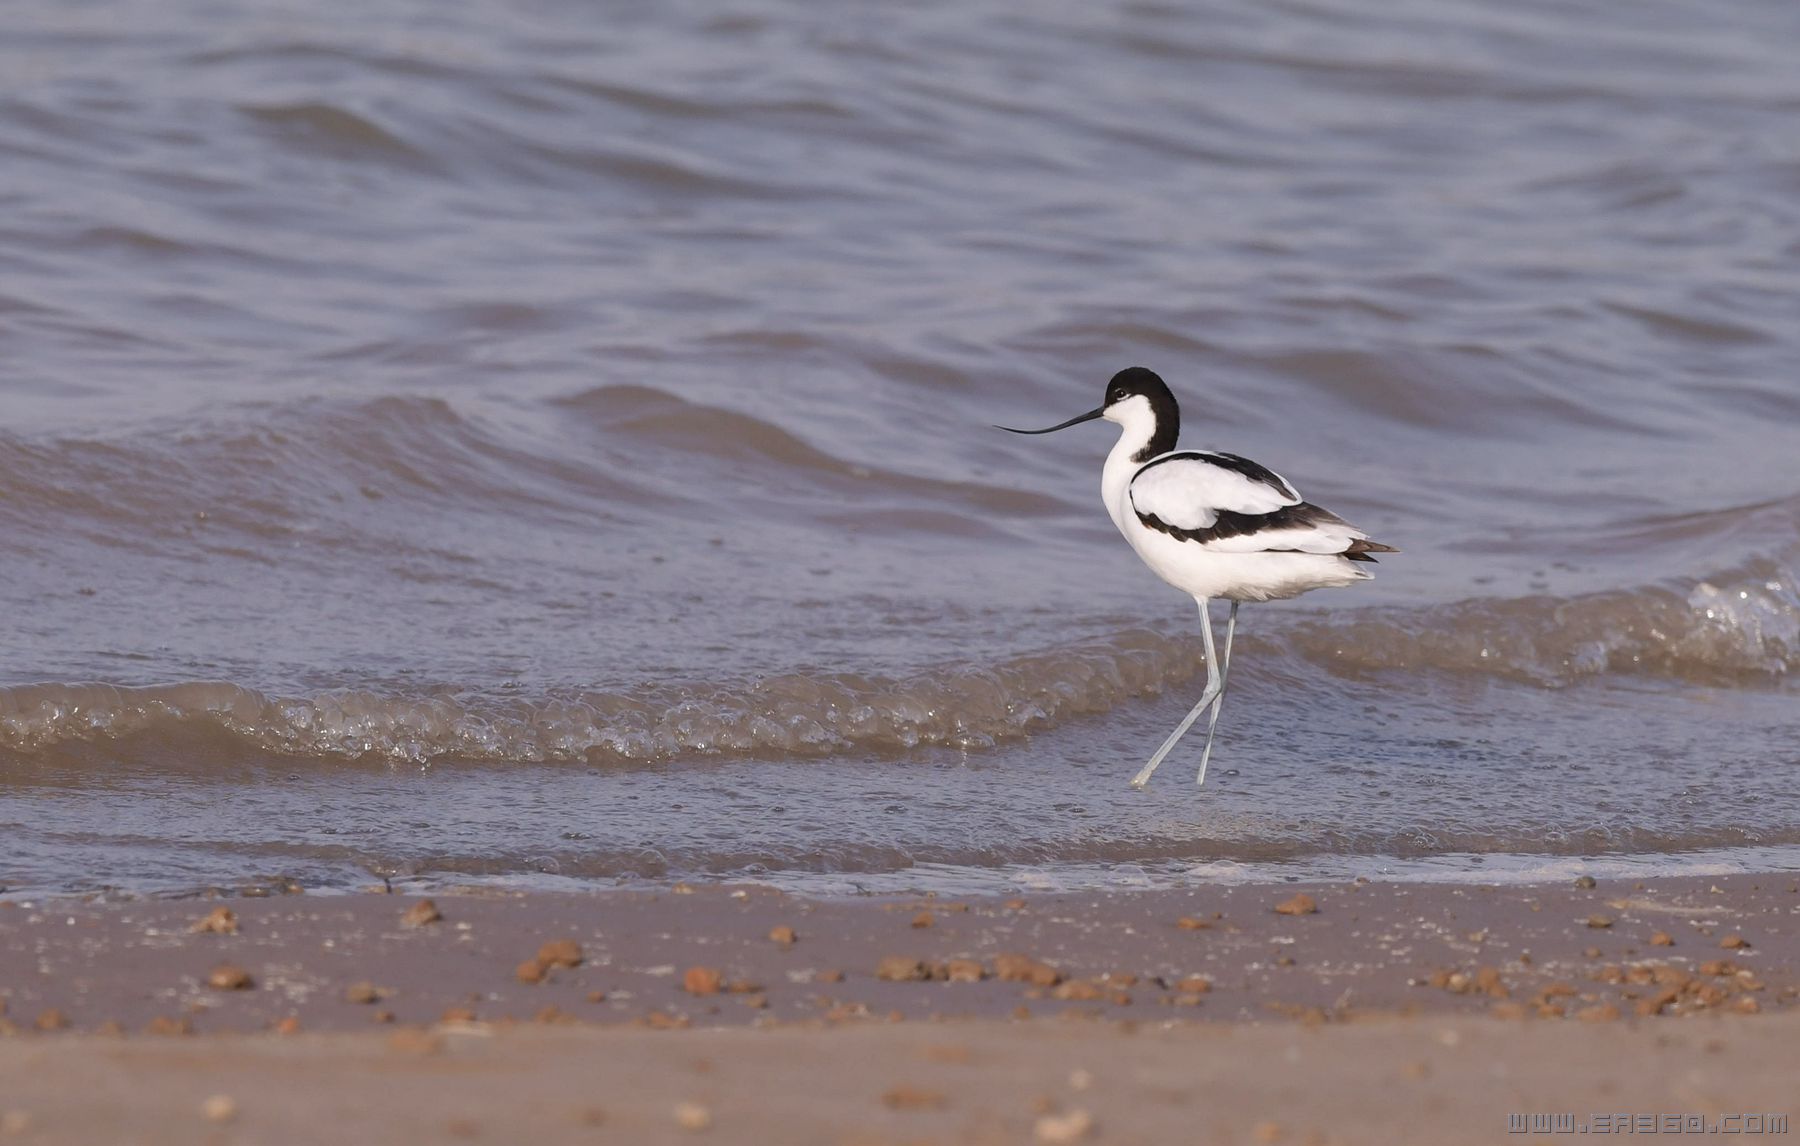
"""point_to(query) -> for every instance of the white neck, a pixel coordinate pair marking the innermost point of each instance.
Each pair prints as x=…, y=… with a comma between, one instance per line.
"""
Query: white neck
x=1137, y=423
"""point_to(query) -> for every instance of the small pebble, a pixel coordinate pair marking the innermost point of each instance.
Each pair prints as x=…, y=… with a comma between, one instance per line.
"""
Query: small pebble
x=218, y=1108
x=924, y=919
x=900, y=969
x=530, y=971
x=361, y=993
x=701, y=981
x=1301, y=904
x=784, y=935
x=51, y=1020
x=1015, y=968
x=420, y=914
x=1266, y=1131
x=1586, y=881
x=1734, y=942
x=218, y=921
x=1599, y=921
x=964, y=971
x=692, y=1116
x=560, y=953
x=1070, y=1127
x=1662, y=939
x=230, y=977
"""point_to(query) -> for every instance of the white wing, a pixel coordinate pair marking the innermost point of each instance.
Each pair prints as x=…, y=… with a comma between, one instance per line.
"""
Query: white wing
x=1188, y=490
x=1227, y=504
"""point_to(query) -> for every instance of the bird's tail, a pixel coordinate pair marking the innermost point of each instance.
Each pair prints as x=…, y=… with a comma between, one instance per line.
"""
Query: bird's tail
x=1361, y=548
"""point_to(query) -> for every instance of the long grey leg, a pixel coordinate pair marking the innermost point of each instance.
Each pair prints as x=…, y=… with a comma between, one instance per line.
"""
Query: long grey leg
x=1214, y=682
x=1212, y=722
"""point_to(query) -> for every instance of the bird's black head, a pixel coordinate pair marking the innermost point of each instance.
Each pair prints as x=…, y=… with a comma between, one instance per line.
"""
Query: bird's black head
x=1137, y=380
x=1138, y=400
x=1137, y=396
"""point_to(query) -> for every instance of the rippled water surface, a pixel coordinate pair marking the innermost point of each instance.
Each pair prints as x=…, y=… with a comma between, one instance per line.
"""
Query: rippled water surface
x=498, y=440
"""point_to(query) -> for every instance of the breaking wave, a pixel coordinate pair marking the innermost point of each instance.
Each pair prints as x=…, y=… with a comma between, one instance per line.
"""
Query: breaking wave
x=1742, y=629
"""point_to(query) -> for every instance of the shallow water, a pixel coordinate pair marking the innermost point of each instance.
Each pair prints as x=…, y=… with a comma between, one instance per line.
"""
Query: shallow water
x=503, y=444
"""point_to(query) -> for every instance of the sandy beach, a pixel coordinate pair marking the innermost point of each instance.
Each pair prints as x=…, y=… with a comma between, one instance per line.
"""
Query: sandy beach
x=1359, y=1012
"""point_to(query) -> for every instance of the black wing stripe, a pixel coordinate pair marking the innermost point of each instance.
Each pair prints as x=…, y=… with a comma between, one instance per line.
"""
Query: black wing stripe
x=1261, y=474
x=1231, y=524
x=1303, y=516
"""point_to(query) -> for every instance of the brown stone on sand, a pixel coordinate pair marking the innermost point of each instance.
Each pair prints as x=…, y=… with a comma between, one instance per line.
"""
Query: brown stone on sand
x=702, y=981
x=560, y=953
x=164, y=1025
x=420, y=914
x=1191, y=923
x=1487, y=981
x=218, y=921
x=1586, y=881
x=1599, y=921
x=1194, y=985
x=230, y=977
x=1662, y=939
x=1734, y=942
x=784, y=935
x=964, y=971
x=1600, y=1013
x=692, y=1116
x=220, y=1108
x=1072, y=1126
x=900, y=969
x=1301, y=904
x=1718, y=967
x=288, y=1026
x=364, y=992
x=1746, y=1005
x=51, y=1020
x=828, y=976
x=457, y=1015
x=1015, y=968
x=1655, y=1004
x=1078, y=990
x=924, y=919
x=912, y=1098
x=530, y=971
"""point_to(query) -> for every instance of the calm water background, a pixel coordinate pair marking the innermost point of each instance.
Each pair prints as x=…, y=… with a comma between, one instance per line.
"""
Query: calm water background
x=547, y=440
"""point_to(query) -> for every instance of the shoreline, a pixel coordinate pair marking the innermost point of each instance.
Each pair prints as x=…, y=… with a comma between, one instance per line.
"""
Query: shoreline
x=1324, y=951
x=558, y=1017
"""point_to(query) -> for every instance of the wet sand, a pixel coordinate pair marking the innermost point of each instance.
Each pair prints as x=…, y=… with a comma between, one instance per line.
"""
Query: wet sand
x=1228, y=1013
